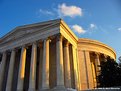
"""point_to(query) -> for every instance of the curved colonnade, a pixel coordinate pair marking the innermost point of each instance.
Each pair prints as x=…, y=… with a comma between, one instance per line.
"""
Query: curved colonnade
x=90, y=54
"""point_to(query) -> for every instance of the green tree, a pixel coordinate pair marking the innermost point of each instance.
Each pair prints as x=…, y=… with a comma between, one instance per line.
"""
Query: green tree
x=110, y=74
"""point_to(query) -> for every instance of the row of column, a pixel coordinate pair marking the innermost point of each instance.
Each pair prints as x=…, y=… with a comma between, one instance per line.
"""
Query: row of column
x=89, y=67
x=95, y=60
x=95, y=65
x=45, y=66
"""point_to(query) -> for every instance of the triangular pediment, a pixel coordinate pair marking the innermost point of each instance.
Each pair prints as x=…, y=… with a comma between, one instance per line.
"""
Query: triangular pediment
x=27, y=29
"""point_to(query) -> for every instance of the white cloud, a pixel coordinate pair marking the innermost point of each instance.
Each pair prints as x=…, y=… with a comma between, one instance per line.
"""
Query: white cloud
x=93, y=26
x=119, y=29
x=70, y=11
x=46, y=12
x=78, y=29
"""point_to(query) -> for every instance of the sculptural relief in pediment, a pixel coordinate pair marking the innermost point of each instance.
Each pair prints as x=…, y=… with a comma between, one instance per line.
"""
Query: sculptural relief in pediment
x=12, y=36
x=24, y=30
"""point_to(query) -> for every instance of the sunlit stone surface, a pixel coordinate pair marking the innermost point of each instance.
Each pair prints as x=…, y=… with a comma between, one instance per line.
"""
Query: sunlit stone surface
x=48, y=56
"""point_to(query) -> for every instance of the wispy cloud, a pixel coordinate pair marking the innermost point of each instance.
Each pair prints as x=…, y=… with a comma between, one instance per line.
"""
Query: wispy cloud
x=46, y=12
x=119, y=29
x=92, y=26
x=70, y=11
x=78, y=29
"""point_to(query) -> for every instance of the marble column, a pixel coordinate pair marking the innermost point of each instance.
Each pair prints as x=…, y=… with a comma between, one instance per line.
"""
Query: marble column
x=78, y=69
x=59, y=61
x=97, y=64
x=75, y=67
x=67, y=71
x=40, y=65
x=94, y=74
x=0, y=58
x=21, y=69
x=2, y=69
x=71, y=67
x=90, y=83
x=103, y=58
x=32, y=77
x=10, y=72
x=45, y=65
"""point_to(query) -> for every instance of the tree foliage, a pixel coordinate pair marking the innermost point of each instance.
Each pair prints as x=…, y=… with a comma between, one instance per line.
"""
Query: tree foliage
x=110, y=74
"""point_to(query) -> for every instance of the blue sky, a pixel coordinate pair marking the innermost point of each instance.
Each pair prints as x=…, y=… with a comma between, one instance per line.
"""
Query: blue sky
x=94, y=19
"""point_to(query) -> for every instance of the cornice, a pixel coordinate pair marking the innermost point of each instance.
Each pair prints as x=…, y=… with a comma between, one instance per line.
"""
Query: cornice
x=97, y=43
x=68, y=30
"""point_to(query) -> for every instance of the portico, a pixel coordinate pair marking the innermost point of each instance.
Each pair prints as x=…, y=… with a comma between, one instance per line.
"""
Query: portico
x=56, y=42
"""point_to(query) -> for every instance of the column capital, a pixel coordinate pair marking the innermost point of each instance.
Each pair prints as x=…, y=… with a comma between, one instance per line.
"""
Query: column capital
x=73, y=47
x=95, y=54
x=13, y=49
x=4, y=51
x=23, y=46
x=66, y=43
x=86, y=51
x=40, y=44
x=8, y=52
x=59, y=37
x=46, y=39
x=34, y=43
x=103, y=56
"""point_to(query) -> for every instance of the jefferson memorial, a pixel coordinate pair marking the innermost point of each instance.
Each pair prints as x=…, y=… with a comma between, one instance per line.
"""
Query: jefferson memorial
x=48, y=56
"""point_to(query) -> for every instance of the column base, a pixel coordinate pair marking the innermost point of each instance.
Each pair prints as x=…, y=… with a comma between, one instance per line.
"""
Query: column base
x=58, y=88
x=62, y=88
x=44, y=89
x=19, y=89
x=31, y=89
